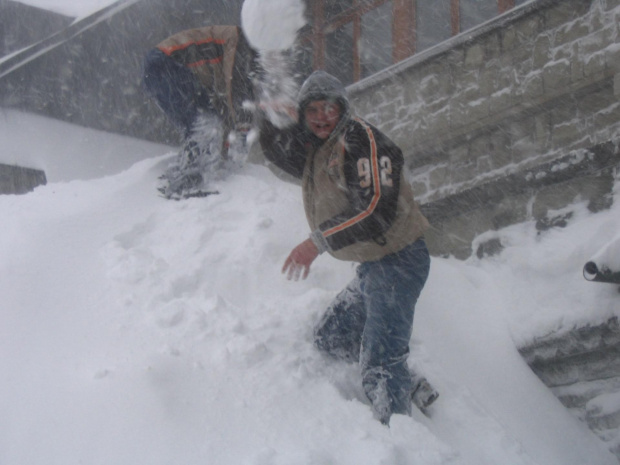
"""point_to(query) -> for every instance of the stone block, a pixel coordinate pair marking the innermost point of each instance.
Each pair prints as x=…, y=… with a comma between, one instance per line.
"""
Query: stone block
x=528, y=27
x=599, y=420
x=489, y=78
x=523, y=139
x=572, y=32
x=500, y=148
x=420, y=189
x=597, y=18
x=556, y=197
x=612, y=58
x=492, y=46
x=480, y=147
x=492, y=151
x=519, y=60
x=469, y=114
x=439, y=121
x=438, y=177
x=608, y=117
x=510, y=210
x=508, y=39
x=458, y=233
x=466, y=84
x=435, y=82
x=485, y=163
x=581, y=354
x=557, y=77
x=565, y=12
x=597, y=41
x=500, y=101
x=437, y=104
x=610, y=4
x=464, y=172
x=600, y=100
x=489, y=248
x=542, y=127
x=530, y=88
x=617, y=85
x=459, y=154
x=20, y=180
x=541, y=54
x=566, y=134
x=458, y=114
x=478, y=110
x=576, y=63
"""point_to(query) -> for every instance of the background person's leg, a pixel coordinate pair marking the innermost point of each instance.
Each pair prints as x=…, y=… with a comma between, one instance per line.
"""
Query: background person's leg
x=339, y=332
x=174, y=88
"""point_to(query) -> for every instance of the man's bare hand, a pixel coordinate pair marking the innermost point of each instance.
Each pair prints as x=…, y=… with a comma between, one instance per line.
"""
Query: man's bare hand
x=299, y=260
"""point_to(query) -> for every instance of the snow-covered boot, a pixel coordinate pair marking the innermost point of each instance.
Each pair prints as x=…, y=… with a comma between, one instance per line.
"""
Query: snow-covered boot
x=195, y=162
x=183, y=185
x=423, y=394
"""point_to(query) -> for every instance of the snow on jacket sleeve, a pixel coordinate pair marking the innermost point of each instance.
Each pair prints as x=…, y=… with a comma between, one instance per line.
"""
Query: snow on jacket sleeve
x=283, y=147
x=372, y=168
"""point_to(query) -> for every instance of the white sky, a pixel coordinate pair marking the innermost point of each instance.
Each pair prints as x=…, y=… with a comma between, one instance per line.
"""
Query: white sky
x=74, y=8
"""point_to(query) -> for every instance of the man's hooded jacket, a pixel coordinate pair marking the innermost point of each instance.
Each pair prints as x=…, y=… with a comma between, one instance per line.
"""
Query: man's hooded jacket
x=358, y=204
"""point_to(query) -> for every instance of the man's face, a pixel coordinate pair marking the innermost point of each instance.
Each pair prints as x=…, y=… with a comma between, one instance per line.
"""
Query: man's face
x=322, y=116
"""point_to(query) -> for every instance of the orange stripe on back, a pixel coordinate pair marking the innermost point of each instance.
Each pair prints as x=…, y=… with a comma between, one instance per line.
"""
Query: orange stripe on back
x=374, y=163
x=174, y=48
x=202, y=62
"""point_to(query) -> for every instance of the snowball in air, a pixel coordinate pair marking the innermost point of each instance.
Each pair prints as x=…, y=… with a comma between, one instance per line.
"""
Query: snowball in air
x=272, y=24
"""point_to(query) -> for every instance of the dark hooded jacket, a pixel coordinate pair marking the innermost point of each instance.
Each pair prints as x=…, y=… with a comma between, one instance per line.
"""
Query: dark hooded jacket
x=357, y=202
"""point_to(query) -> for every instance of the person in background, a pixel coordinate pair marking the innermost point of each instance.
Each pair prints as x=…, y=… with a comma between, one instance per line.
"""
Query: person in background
x=359, y=208
x=201, y=79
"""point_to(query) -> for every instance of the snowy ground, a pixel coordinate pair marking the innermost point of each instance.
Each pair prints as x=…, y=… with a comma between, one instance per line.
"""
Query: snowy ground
x=137, y=330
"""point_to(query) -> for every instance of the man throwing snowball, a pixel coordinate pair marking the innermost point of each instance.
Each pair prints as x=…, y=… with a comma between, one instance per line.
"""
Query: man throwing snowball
x=359, y=208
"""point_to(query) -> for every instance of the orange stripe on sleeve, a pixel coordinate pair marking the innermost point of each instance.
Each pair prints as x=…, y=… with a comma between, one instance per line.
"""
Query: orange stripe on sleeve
x=374, y=163
x=202, y=62
x=174, y=48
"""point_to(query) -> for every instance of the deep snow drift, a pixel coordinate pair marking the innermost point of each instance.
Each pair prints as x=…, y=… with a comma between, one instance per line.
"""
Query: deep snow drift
x=137, y=330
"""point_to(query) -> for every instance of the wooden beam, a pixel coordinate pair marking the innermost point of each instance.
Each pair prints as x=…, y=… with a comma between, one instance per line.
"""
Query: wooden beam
x=403, y=29
x=455, y=17
x=318, y=17
x=357, y=33
x=504, y=5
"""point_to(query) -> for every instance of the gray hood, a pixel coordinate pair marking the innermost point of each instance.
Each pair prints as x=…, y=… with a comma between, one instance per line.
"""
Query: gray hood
x=323, y=86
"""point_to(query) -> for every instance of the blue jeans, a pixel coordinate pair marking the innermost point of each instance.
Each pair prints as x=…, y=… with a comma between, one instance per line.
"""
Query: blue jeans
x=370, y=322
x=175, y=89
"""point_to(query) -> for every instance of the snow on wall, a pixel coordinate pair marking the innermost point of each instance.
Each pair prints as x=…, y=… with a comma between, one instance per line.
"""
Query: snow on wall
x=529, y=88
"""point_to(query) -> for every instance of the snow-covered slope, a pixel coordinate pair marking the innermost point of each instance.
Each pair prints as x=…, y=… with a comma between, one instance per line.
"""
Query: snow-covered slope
x=67, y=153
x=137, y=330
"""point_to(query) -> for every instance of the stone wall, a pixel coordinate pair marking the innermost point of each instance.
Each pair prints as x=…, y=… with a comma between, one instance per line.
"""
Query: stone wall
x=19, y=180
x=582, y=368
x=536, y=85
